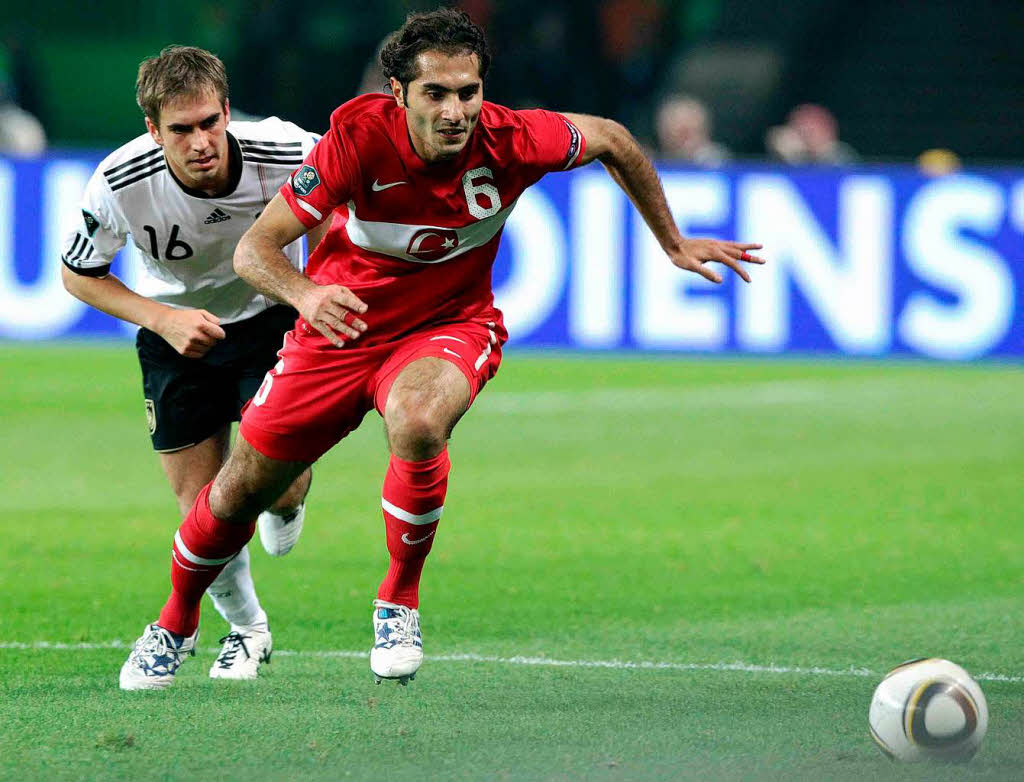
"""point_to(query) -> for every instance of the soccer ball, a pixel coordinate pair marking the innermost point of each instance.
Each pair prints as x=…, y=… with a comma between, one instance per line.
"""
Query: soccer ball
x=928, y=709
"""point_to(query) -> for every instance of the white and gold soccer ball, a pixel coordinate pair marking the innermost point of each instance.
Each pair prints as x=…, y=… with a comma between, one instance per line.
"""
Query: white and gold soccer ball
x=928, y=709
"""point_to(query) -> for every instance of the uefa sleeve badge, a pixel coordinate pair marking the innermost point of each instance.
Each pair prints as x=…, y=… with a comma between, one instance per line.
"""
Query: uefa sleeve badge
x=305, y=181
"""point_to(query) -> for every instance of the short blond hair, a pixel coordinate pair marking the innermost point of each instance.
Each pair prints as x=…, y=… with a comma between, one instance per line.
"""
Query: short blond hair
x=178, y=72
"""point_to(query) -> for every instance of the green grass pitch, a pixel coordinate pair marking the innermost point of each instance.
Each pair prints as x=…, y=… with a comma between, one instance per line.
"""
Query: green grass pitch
x=647, y=569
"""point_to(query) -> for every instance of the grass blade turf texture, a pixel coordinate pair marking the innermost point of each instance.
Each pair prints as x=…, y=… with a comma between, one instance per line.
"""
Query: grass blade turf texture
x=763, y=538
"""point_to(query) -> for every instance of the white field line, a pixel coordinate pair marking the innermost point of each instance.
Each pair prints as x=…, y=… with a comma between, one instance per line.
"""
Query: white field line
x=546, y=662
x=655, y=398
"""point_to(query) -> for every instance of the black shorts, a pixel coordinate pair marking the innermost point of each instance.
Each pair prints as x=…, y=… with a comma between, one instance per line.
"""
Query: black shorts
x=191, y=399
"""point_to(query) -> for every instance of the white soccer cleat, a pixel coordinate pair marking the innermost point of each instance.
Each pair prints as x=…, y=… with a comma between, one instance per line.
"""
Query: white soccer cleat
x=279, y=533
x=245, y=649
x=155, y=659
x=397, y=651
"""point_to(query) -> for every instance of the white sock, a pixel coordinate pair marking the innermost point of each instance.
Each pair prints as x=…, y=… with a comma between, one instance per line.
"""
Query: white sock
x=234, y=594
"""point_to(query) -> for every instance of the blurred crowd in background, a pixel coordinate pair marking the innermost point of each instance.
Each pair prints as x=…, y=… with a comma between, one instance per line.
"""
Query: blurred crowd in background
x=699, y=81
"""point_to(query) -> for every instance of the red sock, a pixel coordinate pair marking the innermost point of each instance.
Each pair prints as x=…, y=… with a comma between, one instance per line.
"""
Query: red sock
x=413, y=498
x=202, y=547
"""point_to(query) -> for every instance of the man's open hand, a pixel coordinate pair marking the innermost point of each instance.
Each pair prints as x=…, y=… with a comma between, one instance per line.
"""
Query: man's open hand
x=332, y=310
x=693, y=254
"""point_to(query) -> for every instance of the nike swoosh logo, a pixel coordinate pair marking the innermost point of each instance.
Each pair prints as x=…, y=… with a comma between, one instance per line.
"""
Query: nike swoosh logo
x=451, y=352
x=377, y=186
x=410, y=542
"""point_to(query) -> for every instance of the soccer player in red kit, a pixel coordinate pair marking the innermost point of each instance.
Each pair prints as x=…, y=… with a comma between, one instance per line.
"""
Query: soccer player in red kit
x=396, y=309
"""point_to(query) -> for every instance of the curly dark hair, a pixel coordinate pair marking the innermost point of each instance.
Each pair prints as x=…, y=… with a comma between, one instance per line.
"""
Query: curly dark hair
x=445, y=30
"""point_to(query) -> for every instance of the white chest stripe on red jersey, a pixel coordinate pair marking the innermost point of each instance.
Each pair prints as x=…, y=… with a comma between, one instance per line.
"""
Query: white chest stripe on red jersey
x=423, y=243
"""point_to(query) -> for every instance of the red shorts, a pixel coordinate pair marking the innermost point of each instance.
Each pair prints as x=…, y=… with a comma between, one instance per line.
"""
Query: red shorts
x=318, y=393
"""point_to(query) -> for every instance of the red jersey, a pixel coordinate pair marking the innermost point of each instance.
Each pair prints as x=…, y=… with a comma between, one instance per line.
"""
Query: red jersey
x=417, y=241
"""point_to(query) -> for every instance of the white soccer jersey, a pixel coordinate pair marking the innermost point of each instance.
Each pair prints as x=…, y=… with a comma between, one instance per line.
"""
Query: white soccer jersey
x=186, y=239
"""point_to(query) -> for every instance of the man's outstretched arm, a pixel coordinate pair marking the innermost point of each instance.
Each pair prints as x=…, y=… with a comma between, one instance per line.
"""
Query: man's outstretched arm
x=260, y=261
x=618, y=151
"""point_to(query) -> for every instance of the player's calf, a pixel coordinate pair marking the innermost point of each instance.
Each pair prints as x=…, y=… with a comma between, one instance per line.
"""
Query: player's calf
x=203, y=545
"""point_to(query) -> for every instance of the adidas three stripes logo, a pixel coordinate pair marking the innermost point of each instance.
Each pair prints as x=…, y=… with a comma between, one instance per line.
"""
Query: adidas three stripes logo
x=218, y=215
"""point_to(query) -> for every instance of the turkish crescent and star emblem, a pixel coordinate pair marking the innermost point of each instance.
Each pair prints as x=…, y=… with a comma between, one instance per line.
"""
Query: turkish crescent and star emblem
x=433, y=244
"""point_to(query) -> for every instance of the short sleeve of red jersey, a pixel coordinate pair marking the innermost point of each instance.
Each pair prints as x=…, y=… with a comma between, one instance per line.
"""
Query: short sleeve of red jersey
x=548, y=140
x=326, y=179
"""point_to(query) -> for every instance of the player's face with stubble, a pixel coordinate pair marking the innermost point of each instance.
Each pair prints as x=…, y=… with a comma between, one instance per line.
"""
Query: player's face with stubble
x=193, y=133
x=443, y=103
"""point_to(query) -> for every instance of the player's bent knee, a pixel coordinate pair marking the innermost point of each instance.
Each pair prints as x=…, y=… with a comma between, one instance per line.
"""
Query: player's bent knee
x=246, y=485
x=420, y=422
x=229, y=499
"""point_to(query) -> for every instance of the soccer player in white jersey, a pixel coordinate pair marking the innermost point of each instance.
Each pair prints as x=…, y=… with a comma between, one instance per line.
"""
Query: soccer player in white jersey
x=184, y=193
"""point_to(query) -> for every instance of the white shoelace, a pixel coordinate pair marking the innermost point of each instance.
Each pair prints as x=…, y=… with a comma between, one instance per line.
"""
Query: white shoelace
x=157, y=642
x=405, y=624
x=235, y=641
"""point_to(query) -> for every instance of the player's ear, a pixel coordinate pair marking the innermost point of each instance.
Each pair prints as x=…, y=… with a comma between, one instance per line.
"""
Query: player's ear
x=227, y=111
x=154, y=131
x=397, y=91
